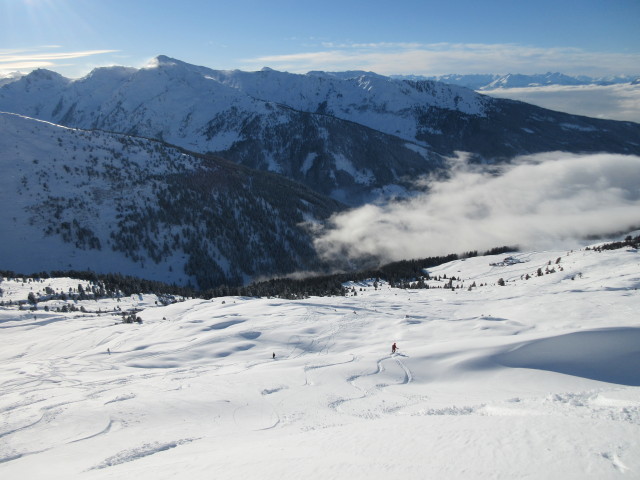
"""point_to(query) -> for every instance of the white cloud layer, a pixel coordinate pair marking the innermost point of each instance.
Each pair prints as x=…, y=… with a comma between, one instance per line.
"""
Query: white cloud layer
x=540, y=201
x=446, y=58
x=615, y=102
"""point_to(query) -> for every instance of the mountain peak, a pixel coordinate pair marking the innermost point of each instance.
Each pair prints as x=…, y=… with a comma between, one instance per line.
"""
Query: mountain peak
x=178, y=67
x=164, y=60
x=44, y=74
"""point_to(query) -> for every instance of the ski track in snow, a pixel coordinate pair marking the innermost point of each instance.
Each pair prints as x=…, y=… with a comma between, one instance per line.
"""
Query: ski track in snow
x=142, y=451
x=370, y=385
x=488, y=379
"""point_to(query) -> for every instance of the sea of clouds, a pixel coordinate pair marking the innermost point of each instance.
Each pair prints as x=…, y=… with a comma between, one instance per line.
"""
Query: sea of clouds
x=614, y=102
x=547, y=200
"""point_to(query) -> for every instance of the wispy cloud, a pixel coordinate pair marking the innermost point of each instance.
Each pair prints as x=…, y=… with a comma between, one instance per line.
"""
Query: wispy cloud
x=43, y=57
x=443, y=58
x=540, y=201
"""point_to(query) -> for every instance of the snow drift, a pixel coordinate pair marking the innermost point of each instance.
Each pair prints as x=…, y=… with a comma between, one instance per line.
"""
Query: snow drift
x=534, y=379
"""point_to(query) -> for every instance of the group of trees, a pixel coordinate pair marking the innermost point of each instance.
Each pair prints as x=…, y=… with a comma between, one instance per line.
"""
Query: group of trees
x=409, y=274
x=108, y=285
x=406, y=274
x=628, y=242
x=229, y=222
x=402, y=274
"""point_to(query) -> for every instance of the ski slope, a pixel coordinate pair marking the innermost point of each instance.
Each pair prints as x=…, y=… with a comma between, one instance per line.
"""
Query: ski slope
x=538, y=378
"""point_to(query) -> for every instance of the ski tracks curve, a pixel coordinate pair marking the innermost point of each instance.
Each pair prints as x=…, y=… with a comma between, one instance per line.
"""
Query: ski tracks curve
x=373, y=397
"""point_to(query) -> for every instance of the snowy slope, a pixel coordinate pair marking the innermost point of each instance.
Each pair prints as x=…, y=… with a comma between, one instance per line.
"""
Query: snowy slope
x=538, y=378
x=76, y=200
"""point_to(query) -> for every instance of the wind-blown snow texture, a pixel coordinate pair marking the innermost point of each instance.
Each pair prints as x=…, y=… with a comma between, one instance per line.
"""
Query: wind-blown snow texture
x=538, y=378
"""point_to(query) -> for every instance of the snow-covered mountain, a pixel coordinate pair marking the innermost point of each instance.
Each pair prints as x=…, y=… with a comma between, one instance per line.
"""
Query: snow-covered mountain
x=350, y=135
x=76, y=199
x=539, y=378
x=517, y=80
x=129, y=202
x=10, y=77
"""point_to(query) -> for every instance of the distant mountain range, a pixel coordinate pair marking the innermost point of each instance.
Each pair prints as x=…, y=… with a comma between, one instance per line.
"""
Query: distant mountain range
x=516, y=80
x=185, y=174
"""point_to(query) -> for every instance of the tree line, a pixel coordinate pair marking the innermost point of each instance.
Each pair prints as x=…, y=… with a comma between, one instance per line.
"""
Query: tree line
x=397, y=274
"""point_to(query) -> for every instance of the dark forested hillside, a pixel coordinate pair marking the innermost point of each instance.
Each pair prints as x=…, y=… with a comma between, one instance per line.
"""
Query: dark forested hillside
x=114, y=203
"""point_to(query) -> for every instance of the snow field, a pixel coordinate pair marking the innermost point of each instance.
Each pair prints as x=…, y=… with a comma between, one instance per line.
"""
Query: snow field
x=534, y=379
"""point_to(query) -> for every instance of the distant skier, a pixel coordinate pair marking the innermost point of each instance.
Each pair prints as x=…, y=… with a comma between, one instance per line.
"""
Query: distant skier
x=109, y=351
x=274, y=355
x=393, y=348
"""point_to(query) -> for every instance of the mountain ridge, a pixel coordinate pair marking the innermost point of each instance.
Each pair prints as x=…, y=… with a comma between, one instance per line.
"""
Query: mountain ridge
x=354, y=136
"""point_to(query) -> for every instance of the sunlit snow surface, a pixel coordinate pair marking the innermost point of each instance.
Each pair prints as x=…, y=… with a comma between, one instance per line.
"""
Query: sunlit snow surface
x=535, y=379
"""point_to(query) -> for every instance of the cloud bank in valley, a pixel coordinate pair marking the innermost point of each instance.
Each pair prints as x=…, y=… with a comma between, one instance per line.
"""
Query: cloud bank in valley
x=616, y=102
x=539, y=201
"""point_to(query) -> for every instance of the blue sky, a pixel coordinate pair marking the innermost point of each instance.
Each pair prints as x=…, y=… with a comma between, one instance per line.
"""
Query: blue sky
x=591, y=37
